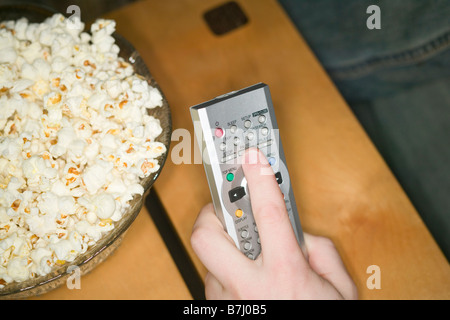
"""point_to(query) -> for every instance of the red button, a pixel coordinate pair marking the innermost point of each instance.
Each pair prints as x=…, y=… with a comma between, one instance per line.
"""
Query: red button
x=219, y=132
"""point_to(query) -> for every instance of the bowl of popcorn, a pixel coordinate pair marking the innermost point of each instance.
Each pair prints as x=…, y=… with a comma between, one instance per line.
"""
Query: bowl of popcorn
x=85, y=132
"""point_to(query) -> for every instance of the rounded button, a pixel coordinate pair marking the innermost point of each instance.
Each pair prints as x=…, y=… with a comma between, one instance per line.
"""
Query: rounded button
x=236, y=141
x=250, y=136
x=219, y=132
x=233, y=129
x=272, y=161
x=244, y=233
x=265, y=131
x=247, y=124
x=222, y=146
x=247, y=246
x=239, y=213
x=261, y=119
x=230, y=176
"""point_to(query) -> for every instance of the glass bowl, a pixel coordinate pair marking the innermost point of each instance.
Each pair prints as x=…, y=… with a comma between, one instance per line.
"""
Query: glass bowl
x=109, y=242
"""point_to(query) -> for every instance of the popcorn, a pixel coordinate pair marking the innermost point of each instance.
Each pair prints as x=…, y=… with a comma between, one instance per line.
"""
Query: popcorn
x=95, y=176
x=76, y=140
x=40, y=261
x=17, y=269
x=105, y=205
x=8, y=55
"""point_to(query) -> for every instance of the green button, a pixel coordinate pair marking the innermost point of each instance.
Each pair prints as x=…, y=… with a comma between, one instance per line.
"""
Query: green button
x=230, y=176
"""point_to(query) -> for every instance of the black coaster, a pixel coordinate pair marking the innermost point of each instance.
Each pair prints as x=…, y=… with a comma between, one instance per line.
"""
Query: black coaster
x=225, y=18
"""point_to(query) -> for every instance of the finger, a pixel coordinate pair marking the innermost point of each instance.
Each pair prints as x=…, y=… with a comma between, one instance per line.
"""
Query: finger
x=325, y=260
x=215, y=248
x=277, y=236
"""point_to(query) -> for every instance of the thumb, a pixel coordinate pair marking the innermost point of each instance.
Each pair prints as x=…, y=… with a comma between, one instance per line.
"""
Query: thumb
x=277, y=236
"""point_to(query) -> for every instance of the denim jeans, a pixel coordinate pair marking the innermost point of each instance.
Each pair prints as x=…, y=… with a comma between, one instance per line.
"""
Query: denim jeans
x=397, y=81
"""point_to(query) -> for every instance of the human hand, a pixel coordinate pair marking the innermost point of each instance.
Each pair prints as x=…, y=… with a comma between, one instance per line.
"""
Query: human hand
x=281, y=271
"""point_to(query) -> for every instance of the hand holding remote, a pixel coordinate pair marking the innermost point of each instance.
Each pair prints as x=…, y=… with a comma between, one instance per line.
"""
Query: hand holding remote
x=281, y=271
x=225, y=127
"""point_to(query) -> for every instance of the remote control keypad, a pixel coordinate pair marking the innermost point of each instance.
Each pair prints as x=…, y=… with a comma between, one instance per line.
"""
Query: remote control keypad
x=249, y=131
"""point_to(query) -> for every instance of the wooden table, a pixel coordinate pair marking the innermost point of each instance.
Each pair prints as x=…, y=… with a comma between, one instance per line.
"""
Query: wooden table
x=343, y=187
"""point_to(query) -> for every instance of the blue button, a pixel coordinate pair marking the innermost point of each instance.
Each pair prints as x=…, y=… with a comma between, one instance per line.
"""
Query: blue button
x=272, y=161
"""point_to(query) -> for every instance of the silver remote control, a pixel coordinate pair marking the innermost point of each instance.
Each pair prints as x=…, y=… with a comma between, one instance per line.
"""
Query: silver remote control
x=225, y=127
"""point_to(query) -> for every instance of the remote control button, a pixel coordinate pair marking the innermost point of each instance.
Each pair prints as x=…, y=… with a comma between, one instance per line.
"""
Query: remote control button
x=262, y=119
x=250, y=136
x=251, y=256
x=236, y=193
x=222, y=146
x=219, y=132
x=247, y=124
x=247, y=246
x=233, y=129
x=236, y=141
x=230, y=176
x=265, y=131
x=239, y=213
x=272, y=161
x=244, y=233
x=278, y=177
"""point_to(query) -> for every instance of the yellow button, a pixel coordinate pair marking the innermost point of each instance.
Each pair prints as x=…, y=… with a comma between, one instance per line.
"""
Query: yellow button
x=239, y=213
